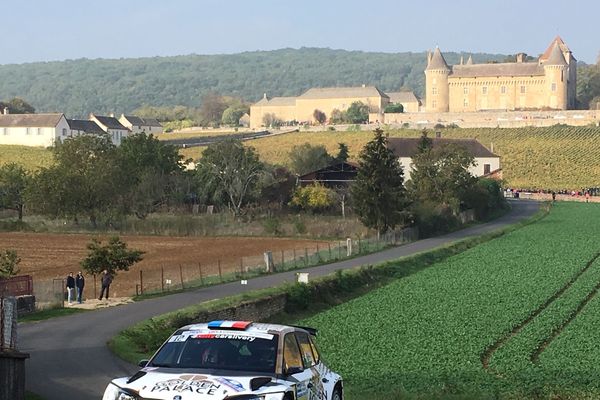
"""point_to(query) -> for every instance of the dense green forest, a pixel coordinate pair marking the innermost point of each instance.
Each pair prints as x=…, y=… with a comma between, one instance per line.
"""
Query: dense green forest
x=78, y=87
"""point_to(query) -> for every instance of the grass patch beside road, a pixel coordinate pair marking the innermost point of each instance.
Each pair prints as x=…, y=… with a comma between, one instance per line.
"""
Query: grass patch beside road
x=49, y=313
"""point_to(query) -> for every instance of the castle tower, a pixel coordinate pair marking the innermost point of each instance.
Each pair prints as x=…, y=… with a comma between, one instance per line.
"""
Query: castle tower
x=571, y=69
x=556, y=71
x=436, y=83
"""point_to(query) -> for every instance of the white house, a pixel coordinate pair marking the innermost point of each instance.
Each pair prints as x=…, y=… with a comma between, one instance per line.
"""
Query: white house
x=84, y=127
x=139, y=125
x=112, y=126
x=486, y=162
x=33, y=129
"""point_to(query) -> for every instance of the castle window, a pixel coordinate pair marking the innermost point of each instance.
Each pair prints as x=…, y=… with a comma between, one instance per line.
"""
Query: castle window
x=523, y=89
x=434, y=104
x=466, y=102
x=503, y=89
x=434, y=90
x=466, y=90
x=484, y=90
x=553, y=87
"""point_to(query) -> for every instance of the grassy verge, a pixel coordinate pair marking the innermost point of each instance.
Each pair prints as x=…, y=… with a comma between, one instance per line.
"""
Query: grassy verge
x=32, y=396
x=49, y=313
x=142, y=339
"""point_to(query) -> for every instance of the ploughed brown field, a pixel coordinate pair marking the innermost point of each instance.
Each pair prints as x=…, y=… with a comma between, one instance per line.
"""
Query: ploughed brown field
x=53, y=256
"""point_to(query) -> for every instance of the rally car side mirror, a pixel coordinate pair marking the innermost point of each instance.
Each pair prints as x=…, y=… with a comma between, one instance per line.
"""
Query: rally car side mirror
x=143, y=363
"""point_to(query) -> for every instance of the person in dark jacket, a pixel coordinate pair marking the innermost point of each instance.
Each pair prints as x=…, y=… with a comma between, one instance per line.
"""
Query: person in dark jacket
x=79, y=284
x=106, y=281
x=70, y=288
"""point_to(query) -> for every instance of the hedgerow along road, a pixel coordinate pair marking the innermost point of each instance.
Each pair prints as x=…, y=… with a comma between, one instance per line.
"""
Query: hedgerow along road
x=69, y=357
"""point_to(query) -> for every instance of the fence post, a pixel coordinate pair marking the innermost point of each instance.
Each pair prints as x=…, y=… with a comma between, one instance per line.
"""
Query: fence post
x=329, y=245
x=181, y=275
x=162, y=278
x=359, y=247
x=220, y=272
x=318, y=254
x=200, y=272
x=305, y=256
x=242, y=267
x=95, y=294
x=349, y=247
x=282, y=260
x=295, y=258
x=141, y=281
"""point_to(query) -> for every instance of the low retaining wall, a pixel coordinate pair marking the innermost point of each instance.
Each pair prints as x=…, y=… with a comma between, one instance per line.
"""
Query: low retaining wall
x=252, y=310
x=12, y=375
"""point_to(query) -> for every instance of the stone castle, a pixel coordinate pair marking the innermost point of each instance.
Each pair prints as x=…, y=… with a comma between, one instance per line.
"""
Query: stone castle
x=546, y=84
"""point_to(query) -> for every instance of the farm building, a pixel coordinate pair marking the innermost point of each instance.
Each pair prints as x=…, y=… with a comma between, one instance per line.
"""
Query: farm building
x=112, y=126
x=408, y=99
x=33, y=129
x=332, y=176
x=84, y=127
x=139, y=125
x=486, y=162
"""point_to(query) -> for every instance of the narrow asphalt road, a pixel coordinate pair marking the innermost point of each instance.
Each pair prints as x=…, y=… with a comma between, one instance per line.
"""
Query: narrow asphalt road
x=69, y=357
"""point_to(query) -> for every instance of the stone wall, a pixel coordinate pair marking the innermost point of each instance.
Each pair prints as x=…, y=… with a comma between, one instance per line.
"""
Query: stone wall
x=25, y=305
x=489, y=119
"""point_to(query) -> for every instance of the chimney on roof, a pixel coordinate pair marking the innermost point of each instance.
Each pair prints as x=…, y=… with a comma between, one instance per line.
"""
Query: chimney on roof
x=521, y=57
x=461, y=60
x=265, y=96
x=5, y=111
x=438, y=134
x=112, y=115
x=363, y=85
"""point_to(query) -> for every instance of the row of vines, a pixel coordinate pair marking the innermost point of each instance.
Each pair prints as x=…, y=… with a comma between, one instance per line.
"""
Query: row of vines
x=512, y=318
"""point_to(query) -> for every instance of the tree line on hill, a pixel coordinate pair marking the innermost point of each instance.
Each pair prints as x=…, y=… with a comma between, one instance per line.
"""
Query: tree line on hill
x=92, y=178
x=78, y=87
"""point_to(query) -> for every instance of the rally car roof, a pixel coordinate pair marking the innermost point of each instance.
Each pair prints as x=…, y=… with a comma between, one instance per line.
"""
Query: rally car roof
x=246, y=326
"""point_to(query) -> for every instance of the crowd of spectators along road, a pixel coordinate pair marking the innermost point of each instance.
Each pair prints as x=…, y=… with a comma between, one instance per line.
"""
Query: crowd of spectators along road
x=586, y=192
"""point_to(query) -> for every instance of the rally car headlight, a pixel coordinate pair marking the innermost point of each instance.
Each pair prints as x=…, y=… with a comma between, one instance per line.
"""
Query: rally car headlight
x=114, y=392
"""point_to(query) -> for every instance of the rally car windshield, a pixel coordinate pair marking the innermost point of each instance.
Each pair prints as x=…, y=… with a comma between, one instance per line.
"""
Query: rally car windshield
x=231, y=351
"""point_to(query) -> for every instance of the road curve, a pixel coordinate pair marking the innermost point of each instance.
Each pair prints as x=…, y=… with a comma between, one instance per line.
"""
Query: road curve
x=69, y=356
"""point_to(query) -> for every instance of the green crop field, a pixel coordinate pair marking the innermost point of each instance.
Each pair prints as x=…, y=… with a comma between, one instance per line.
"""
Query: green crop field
x=514, y=318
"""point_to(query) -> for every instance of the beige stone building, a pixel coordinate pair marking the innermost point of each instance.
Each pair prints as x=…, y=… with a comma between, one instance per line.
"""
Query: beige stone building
x=546, y=84
x=408, y=99
x=301, y=109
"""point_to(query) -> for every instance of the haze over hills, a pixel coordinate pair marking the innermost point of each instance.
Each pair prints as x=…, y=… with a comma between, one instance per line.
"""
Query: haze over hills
x=78, y=87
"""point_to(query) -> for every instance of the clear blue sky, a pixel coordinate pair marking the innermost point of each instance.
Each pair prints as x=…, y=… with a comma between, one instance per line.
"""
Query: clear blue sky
x=44, y=30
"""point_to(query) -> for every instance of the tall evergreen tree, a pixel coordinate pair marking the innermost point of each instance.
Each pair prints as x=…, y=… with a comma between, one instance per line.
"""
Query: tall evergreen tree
x=378, y=194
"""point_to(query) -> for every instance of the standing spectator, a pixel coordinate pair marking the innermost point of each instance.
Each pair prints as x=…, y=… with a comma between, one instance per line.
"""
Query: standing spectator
x=79, y=284
x=70, y=288
x=587, y=196
x=553, y=196
x=106, y=281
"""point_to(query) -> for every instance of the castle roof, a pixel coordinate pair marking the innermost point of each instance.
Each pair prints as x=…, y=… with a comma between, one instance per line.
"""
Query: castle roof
x=497, y=69
x=409, y=147
x=437, y=61
x=556, y=56
x=402, y=97
x=342, y=92
x=276, y=101
x=561, y=44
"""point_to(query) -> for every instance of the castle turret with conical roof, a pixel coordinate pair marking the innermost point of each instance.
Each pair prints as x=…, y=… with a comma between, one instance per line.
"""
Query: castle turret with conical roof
x=557, y=77
x=436, y=83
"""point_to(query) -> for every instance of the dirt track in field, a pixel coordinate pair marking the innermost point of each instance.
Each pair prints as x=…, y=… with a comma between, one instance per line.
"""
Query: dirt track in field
x=51, y=256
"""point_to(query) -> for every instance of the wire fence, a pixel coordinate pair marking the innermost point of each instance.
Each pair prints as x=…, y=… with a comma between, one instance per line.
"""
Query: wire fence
x=182, y=276
x=162, y=278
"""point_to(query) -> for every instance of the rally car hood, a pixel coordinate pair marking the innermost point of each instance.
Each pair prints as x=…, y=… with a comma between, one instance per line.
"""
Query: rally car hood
x=154, y=384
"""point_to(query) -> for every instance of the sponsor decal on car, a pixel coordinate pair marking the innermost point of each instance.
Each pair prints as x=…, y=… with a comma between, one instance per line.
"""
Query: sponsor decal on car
x=230, y=383
x=187, y=383
x=214, y=334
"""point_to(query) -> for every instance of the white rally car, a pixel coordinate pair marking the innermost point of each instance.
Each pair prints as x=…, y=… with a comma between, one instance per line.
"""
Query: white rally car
x=233, y=360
